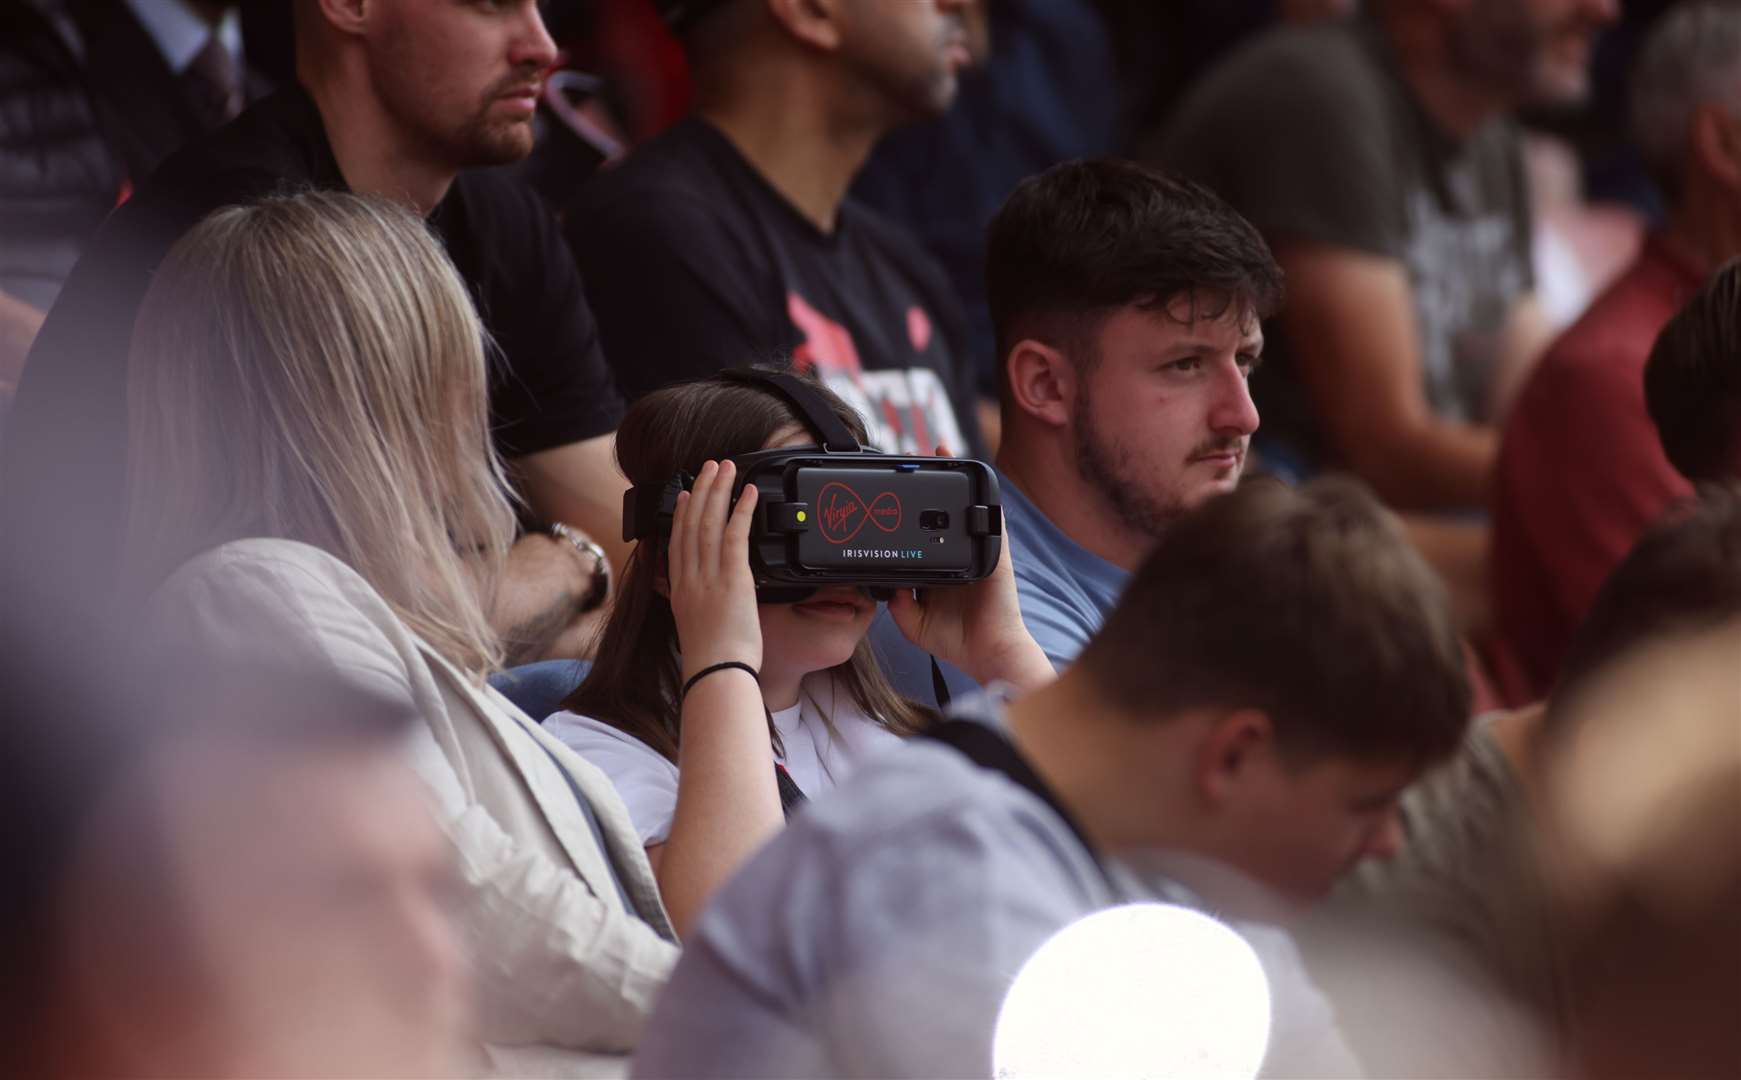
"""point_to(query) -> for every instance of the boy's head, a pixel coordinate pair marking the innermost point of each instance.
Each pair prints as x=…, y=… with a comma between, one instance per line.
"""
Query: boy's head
x=1303, y=654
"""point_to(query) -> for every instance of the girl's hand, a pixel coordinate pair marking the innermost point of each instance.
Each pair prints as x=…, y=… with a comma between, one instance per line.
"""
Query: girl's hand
x=977, y=627
x=713, y=596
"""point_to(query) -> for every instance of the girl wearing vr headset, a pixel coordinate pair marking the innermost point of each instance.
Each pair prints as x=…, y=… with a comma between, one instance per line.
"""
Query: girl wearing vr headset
x=715, y=715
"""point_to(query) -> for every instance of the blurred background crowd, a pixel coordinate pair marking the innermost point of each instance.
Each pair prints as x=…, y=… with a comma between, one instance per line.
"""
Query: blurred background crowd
x=1477, y=255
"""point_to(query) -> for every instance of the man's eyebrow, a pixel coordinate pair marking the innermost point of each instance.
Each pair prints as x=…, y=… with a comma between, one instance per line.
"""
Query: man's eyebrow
x=1373, y=802
x=1204, y=345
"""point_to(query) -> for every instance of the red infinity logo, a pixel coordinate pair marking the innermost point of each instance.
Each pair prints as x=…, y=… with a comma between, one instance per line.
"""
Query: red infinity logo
x=844, y=512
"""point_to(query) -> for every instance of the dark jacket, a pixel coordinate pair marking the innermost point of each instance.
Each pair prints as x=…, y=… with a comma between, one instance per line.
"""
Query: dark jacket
x=79, y=127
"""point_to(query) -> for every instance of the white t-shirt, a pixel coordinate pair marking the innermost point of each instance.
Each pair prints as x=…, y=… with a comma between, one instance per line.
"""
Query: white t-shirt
x=817, y=759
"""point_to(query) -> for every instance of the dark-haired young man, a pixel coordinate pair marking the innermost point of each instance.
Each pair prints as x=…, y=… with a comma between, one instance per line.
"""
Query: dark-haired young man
x=1127, y=305
x=1278, y=670
x=730, y=238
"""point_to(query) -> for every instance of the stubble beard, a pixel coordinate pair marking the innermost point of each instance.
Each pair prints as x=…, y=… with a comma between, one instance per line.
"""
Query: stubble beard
x=480, y=141
x=1109, y=471
x=483, y=141
x=910, y=97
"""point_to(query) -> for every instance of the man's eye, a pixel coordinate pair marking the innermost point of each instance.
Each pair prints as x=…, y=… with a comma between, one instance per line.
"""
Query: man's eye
x=1189, y=363
x=1249, y=362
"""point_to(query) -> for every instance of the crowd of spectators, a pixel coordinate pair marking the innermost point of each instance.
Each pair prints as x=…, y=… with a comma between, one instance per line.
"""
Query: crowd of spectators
x=1368, y=574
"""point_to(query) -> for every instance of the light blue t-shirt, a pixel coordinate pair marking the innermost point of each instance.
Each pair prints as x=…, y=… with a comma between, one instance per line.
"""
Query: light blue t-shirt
x=1065, y=590
x=878, y=934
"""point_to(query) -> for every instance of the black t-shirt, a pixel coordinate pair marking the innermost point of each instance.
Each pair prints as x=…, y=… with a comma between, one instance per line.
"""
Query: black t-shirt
x=63, y=467
x=695, y=263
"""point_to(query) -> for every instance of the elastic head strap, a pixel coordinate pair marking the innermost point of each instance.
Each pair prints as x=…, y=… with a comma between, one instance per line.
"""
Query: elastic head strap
x=831, y=432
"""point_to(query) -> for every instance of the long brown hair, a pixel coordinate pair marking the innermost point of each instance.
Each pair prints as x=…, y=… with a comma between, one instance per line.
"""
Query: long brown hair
x=637, y=674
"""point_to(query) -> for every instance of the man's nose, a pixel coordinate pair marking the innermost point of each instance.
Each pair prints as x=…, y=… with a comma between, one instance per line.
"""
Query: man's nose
x=1234, y=412
x=533, y=45
x=1387, y=840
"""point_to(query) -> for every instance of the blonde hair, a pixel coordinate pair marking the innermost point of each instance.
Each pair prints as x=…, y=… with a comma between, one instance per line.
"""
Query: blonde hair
x=311, y=368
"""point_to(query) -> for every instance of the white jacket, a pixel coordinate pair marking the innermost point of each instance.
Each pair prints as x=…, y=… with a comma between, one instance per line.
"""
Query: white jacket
x=566, y=974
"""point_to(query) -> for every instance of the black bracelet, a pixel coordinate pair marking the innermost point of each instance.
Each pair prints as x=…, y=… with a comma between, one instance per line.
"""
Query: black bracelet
x=721, y=666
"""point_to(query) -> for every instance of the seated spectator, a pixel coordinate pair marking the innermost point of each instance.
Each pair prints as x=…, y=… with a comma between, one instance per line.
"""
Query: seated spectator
x=1165, y=48
x=1450, y=960
x=1207, y=745
x=309, y=455
x=1652, y=902
x=1692, y=382
x=1037, y=94
x=690, y=752
x=92, y=97
x=730, y=238
x=1581, y=473
x=398, y=99
x=1128, y=306
x=259, y=890
x=173, y=811
x=1377, y=156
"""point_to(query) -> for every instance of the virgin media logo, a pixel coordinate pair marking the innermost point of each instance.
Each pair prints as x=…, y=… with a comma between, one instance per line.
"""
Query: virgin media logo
x=845, y=513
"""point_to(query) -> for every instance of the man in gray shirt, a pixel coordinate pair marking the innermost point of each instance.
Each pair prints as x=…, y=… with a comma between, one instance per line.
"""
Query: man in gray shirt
x=1451, y=960
x=1202, y=751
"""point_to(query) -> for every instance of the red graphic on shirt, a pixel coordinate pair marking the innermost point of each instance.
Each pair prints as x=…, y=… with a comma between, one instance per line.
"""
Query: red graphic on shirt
x=918, y=328
x=827, y=344
x=905, y=408
x=845, y=513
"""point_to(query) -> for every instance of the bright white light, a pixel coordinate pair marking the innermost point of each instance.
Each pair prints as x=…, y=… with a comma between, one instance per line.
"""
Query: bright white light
x=1148, y=990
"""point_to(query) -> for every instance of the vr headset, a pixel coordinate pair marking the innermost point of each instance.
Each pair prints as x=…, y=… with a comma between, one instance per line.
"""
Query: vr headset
x=838, y=514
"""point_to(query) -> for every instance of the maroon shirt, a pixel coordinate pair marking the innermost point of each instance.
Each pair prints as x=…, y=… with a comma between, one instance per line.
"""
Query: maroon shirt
x=1581, y=471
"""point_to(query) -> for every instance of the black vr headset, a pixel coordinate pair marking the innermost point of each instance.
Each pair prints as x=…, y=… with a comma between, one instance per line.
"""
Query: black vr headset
x=838, y=514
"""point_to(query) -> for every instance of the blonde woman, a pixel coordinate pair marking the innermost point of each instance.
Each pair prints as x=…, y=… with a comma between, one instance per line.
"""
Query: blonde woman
x=310, y=479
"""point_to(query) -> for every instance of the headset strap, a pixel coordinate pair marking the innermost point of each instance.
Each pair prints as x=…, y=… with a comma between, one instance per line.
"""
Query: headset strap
x=831, y=432
x=989, y=748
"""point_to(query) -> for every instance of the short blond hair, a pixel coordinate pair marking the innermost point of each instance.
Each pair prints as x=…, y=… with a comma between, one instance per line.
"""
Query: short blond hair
x=311, y=367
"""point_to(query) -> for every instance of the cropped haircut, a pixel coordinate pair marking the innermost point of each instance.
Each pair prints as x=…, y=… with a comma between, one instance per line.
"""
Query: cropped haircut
x=1308, y=604
x=311, y=368
x=1081, y=240
x=1692, y=382
x=1692, y=57
x=1683, y=575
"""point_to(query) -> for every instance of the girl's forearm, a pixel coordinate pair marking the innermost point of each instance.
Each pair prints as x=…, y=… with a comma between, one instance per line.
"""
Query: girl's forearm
x=727, y=800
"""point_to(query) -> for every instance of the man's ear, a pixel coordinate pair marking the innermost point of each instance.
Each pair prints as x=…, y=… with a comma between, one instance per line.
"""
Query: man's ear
x=1042, y=382
x=1716, y=145
x=345, y=16
x=1234, y=746
x=817, y=23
